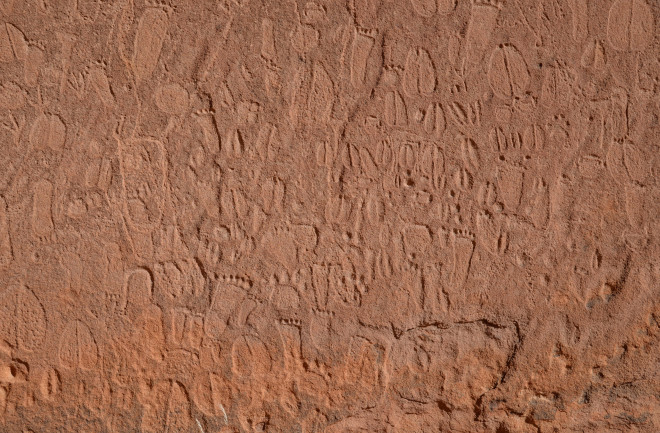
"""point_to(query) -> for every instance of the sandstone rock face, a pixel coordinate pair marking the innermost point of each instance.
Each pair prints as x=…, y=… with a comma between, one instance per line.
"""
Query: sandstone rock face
x=329, y=216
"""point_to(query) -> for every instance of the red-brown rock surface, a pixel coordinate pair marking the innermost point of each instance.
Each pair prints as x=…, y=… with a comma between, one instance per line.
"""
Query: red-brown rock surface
x=339, y=216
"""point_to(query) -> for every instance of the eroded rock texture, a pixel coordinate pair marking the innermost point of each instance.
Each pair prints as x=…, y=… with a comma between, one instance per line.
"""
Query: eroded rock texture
x=330, y=216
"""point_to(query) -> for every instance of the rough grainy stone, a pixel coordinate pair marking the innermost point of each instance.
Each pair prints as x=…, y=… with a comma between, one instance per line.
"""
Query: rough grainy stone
x=329, y=216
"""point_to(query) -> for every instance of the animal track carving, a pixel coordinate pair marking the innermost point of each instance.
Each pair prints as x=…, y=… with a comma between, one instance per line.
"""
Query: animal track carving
x=540, y=210
x=419, y=76
x=210, y=393
x=48, y=131
x=490, y=233
x=166, y=407
x=13, y=44
x=321, y=97
x=469, y=152
x=363, y=370
x=510, y=185
x=250, y=357
x=435, y=121
x=142, y=164
x=178, y=279
x=22, y=319
x=77, y=348
x=51, y=384
x=465, y=115
x=483, y=20
x=507, y=72
x=395, y=110
x=462, y=242
x=268, y=50
x=579, y=19
x=363, y=43
x=365, y=12
x=149, y=38
x=630, y=25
